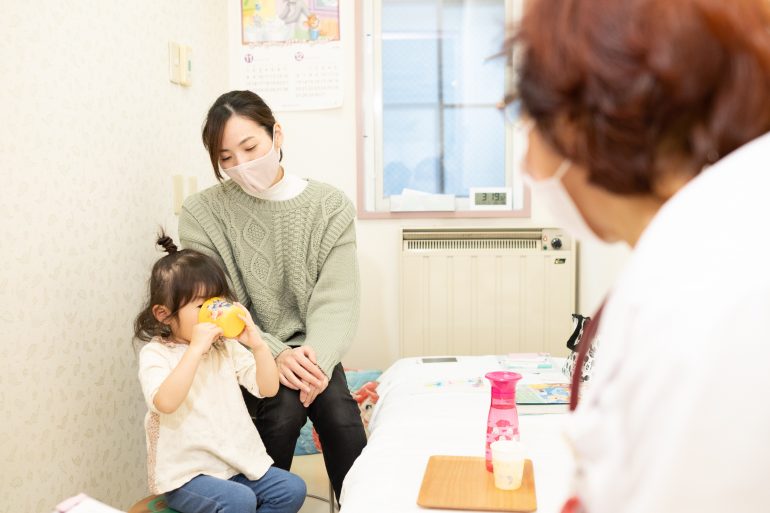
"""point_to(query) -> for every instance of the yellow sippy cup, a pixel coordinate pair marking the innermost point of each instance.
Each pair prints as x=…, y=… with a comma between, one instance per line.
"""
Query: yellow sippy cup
x=224, y=314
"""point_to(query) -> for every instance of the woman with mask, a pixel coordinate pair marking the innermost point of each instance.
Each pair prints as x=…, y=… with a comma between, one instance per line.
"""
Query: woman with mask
x=289, y=248
x=649, y=125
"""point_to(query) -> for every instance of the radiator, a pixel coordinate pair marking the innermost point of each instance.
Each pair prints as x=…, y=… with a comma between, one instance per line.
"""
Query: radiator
x=489, y=291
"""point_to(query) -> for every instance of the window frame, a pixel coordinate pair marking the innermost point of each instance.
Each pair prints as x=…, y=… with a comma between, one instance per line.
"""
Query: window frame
x=371, y=201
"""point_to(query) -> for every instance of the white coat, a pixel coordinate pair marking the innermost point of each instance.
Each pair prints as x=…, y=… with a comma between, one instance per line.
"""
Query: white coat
x=677, y=416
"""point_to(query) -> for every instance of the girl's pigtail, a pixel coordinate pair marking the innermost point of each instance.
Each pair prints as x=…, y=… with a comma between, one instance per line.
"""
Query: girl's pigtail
x=166, y=242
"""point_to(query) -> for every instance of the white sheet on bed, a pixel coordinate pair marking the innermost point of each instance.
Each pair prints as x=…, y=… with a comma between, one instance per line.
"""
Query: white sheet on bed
x=441, y=409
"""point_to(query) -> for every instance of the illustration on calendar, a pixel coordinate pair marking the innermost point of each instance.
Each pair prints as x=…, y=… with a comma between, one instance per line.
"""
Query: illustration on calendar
x=289, y=21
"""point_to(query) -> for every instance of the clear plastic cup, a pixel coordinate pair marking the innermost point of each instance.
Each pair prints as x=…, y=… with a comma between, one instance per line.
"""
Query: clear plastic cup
x=507, y=463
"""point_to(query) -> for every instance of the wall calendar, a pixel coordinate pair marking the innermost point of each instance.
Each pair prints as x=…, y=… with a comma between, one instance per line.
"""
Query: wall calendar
x=291, y=54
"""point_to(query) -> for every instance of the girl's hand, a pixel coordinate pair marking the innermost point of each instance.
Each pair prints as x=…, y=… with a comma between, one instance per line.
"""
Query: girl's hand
x=203, y=335
x=250, y=337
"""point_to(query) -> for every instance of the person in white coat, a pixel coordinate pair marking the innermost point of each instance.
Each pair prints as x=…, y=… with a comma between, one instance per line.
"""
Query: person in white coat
x=649, y=125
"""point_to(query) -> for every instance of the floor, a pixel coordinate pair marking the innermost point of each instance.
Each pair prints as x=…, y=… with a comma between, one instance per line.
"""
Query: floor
x=311, y=469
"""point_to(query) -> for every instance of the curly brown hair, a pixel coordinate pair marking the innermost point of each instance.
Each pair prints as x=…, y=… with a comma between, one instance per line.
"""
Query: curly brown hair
x=624, y=88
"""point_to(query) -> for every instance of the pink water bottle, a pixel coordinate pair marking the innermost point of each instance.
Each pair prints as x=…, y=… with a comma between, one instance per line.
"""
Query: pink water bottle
x=503, y=420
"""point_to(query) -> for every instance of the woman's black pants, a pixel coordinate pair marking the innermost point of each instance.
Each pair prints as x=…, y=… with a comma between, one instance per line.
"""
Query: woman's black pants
x=335, y=416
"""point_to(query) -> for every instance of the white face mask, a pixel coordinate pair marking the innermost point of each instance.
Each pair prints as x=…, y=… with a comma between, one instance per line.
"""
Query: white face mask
x=256, y=176
x=551, y=193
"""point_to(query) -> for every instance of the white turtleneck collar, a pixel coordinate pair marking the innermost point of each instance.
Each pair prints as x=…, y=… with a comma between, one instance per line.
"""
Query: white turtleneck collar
x=288, y=187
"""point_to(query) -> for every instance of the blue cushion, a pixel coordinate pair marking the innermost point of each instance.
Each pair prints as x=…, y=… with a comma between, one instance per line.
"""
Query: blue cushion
x=356, y=379
x=305, y=444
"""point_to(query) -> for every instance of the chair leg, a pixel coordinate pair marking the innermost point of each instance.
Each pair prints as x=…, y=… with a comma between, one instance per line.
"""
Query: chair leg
x=333, y=508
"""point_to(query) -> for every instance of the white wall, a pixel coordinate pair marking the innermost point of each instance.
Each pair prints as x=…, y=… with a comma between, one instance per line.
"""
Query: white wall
x=321, y=145
x=90, y=132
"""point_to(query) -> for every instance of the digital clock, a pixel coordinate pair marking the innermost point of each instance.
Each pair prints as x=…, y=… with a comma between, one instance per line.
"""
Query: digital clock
x=490, y=198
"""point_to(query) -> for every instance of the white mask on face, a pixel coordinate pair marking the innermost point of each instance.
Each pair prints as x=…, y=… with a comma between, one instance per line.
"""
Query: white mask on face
x=256, y=176
x=551, y=193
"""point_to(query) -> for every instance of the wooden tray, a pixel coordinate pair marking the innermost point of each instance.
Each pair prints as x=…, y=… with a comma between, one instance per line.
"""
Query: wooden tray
x=462, y=482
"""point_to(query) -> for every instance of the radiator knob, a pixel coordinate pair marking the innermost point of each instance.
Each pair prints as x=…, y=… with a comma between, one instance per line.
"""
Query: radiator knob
x=556, y=243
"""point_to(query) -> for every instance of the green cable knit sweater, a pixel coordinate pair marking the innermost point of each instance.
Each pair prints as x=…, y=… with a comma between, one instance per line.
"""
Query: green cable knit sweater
x=291, y=263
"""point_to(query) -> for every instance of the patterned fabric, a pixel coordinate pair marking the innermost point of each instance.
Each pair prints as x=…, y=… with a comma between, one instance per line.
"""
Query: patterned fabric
x=569, y=365
x=292, y=263
x=363, y=388
x=573, y=344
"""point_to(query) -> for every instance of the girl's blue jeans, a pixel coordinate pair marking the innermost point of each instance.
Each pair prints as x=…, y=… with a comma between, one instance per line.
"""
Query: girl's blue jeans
x=278, y=491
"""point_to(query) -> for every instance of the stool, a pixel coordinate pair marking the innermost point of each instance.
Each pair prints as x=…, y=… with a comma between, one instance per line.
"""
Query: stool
x=152, y=504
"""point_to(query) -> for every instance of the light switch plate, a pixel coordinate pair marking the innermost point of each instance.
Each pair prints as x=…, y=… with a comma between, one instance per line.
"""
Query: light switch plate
x=173, y=62
x=185, y=65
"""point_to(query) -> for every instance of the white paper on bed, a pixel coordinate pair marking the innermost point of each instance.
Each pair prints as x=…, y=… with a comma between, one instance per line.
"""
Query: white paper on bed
x=430, y=409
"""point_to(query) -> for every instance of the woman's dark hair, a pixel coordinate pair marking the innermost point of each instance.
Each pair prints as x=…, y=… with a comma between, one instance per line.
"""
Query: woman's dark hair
x=622, y=87
x=241, y=103
x=176, y=279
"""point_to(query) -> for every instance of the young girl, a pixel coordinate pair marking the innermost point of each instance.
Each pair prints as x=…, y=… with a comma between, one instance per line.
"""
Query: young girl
x=203, y=451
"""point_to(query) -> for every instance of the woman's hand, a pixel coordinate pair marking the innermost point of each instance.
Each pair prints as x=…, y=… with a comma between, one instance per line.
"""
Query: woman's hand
x=250, y=337
x=203, y=335
x=298, y=370
x=307, y=398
